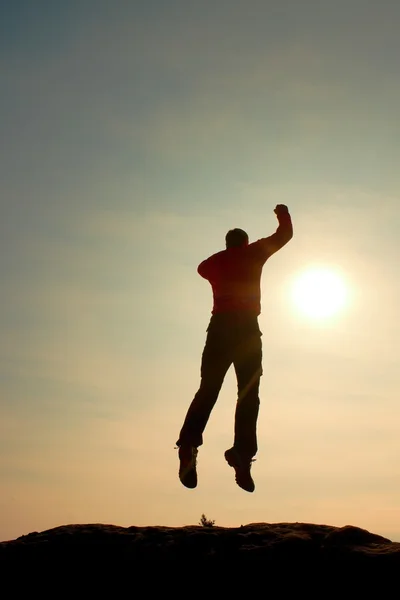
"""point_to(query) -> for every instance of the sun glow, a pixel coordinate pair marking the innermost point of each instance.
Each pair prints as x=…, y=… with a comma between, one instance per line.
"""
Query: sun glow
x=319, y=293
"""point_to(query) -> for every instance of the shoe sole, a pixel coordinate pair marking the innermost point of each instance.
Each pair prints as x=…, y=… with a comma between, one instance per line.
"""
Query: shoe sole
x=185, y=480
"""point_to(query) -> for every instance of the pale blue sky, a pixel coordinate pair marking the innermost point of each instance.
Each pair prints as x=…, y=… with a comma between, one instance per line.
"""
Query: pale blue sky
x=132, y=137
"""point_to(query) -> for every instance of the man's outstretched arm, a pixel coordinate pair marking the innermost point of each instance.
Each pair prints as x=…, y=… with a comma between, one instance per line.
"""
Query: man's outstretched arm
x=282, y=235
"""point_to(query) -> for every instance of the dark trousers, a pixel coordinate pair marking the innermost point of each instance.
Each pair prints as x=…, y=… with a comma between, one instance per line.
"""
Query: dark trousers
x=231, y=339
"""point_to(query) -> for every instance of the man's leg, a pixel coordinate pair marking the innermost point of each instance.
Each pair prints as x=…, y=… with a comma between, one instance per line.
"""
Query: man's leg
x=216, y=360
x=248, y=367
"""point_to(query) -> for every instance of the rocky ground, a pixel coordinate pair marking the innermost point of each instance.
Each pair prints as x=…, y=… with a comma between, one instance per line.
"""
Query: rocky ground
x=286, y=543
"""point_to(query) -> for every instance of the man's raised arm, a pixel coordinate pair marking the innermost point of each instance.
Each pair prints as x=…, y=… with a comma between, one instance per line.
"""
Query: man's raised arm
x=282, y=235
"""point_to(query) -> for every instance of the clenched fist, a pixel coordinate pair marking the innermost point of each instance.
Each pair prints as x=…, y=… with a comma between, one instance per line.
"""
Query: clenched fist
x=281, y=209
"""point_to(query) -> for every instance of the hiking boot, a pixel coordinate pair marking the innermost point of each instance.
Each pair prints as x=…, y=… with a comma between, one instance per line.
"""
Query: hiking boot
x=242, y=468
x=187, y=466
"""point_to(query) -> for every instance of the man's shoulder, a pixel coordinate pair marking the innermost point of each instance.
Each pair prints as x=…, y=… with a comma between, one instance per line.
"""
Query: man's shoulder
x=258, y=243
x=220, y=255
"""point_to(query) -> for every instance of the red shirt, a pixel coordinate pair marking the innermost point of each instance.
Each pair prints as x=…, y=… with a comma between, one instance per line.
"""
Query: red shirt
x=235, y=273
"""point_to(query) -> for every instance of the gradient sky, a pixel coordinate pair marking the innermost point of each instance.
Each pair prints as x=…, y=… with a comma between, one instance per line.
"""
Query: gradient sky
x=133, y=136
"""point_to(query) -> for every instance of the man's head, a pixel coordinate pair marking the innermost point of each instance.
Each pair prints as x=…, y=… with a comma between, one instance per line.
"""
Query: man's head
x=235, y=238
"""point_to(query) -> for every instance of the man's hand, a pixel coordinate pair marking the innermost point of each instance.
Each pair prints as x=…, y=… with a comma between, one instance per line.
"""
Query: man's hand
x=281, y=210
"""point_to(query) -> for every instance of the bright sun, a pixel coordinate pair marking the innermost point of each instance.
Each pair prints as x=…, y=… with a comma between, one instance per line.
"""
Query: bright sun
x=319, y=293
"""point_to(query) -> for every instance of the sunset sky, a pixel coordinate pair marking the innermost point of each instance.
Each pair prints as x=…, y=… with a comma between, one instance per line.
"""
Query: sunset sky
x=133, y=135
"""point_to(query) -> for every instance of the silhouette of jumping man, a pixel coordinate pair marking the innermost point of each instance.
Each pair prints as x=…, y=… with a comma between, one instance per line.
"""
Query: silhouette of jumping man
x=233, y=337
